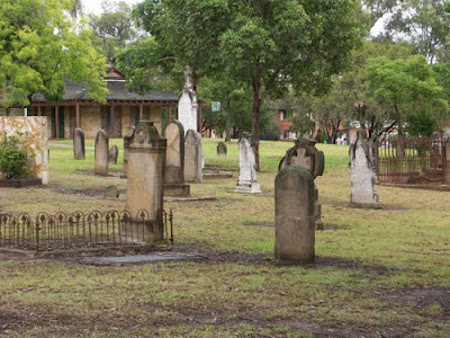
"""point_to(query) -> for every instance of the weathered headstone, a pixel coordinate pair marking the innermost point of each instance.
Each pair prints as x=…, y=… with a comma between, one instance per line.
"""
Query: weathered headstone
x=111, y=192
x=79, y=149
x=174, y=163
x=248, y=180
x=306, y=155
x=363, y=174
x=221, y=149
x=294, y=216
x=193, y=157
x=126, y=144
x=113, y=154
x=146, y=152
x=101, y=153
x=188, y=105
x=446, y=173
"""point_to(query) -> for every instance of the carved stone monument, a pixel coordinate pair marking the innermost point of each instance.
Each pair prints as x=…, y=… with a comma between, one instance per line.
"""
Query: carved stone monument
x=79, y=149
x=146, y=152
x=174, y=163
x=306, y=155
x=248, y=180
x=294, y=216
x=363, y=171
x=113, y=154
x=187, y=105
x=221, y=149
x=193, y=157
x=126, y=144
x=101, y=153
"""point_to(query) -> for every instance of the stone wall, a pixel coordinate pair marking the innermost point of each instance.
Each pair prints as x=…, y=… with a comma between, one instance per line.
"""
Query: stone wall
x=33, y=132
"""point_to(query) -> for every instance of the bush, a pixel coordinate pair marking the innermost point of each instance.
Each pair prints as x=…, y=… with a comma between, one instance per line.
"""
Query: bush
x=13, y=160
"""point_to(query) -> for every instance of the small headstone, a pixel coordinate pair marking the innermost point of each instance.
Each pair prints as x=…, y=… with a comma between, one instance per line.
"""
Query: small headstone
x=193, y=157
x=174, y=164
x=101, y=153
x=222, y=149
x=248, y=180
x=294, y=216
x=363, y=174
x=112, y=192
x=306, y=155
x=113, y=154
x=79, y=150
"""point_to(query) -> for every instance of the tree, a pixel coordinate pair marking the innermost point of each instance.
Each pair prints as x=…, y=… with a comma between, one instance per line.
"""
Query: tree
x=39, y=49
x=114, y=28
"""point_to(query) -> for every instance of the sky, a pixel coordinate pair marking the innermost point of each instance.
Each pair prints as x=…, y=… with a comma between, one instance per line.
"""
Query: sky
x=95, y=6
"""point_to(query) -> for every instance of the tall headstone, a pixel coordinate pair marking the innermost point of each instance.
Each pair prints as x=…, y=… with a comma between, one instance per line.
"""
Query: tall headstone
x=113, y=154
x=174, y=163
x=101, y=153
x=363, y=172
x=79, y=149
x=248, y=180
x=294, y=216
x=221, y=149
x=193, y=157
x=146, y=152
x=126, y=144
x=306, y=155
x=446, y=141
x=187, y=105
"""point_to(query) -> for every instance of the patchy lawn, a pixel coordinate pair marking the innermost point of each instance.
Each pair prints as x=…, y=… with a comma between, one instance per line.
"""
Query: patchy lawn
x=382, y=272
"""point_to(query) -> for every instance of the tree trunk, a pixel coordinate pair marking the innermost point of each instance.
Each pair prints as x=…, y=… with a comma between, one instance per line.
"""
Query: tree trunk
x=228, y=122
x=256, y=107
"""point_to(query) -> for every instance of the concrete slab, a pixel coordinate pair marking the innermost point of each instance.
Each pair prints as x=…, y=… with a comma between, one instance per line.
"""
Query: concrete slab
x=153, y=257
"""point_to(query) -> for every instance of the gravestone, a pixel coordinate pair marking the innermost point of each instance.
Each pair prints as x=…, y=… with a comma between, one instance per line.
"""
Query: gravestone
x=221, y=149
x=111, y=192
x=79, y=149
x=174, y=163
x=306, y=155
x=294, y=216
x=146, y=152
x=126, y=144
x=101, y=153
x=363, y=172
x=188, y=105
x=113, y=154
x=446, y=173
x=193, y=157
x=248, y=180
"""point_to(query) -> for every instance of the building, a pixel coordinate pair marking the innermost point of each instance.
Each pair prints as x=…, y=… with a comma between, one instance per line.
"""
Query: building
x=121, y=110
x=285, y=125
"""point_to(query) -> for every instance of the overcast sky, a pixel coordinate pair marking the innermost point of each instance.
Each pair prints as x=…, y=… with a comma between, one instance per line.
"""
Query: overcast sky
x=95, y=6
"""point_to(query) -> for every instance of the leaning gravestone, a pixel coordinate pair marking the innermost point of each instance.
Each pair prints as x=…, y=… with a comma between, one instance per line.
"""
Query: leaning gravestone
x=294, y=216
x=113, y=154
x=146, y=152
x=306, y=155
x=174, y=163
x=248, y=180
x=363, y=174
x=79, y=150
x=222, y=149
x=101, y=153
x=193, y=157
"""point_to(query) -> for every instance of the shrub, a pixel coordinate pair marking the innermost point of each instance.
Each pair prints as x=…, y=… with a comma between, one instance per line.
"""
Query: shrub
x=13, y=160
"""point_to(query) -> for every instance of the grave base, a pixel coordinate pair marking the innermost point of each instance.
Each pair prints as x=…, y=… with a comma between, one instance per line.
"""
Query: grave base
x=177, y=190
x=20, y=182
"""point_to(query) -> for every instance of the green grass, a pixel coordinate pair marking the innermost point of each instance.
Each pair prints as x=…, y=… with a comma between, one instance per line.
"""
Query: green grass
x=379, y=272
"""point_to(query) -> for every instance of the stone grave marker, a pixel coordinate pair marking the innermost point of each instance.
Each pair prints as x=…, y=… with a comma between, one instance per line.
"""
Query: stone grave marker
x=221, y=149
x=294, y=216
x=306, y=155
x=111, y=192
x=248, y=180
x=145, y=172
x=79, y=149
x=363, y=172
x=113, y=154
x=193, y=157
x=101, y=153
x=174, y=163
x=126, y=144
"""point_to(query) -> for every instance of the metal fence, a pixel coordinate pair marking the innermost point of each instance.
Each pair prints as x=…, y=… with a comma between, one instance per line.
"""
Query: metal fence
x=83, y=230
x=413, y=161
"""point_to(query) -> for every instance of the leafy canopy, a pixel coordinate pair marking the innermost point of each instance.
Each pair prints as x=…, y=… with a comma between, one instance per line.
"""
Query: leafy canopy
x=39, y=48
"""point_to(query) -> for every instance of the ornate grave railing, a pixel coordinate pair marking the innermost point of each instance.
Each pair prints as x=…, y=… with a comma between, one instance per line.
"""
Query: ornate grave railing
x=79, y=230
x=412, y=160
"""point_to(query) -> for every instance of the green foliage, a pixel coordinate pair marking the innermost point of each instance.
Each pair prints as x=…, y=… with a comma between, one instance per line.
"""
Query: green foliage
x=421, y=124
x=13, y=160
x=39, y=49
